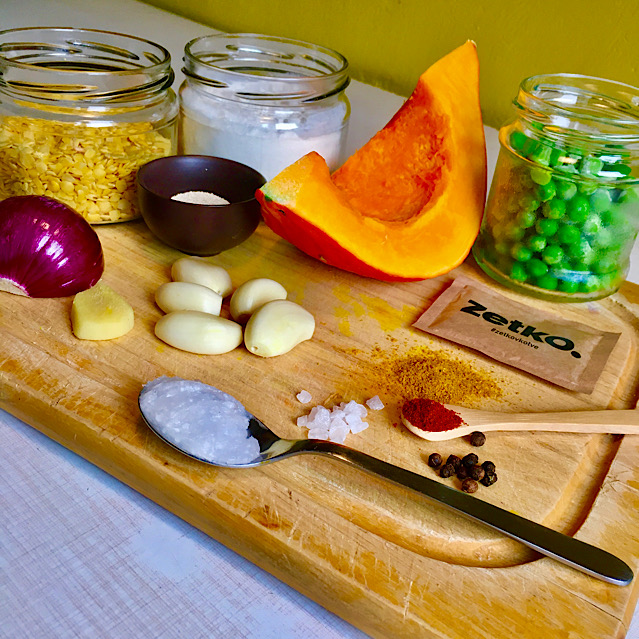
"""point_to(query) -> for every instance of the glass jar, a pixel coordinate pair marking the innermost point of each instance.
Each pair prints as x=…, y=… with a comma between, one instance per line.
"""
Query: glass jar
x=80, y=111
x=263, y=101
x=563, y=210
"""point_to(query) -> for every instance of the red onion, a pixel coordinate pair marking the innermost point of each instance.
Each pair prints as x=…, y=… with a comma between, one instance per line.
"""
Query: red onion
x=46, y=248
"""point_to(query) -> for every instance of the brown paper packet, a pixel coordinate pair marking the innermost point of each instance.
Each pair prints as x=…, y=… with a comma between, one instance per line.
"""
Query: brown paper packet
x=566, y=353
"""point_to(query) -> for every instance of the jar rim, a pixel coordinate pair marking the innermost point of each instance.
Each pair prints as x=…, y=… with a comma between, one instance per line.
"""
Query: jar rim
x=7, y=44
x=585, y=106
x=76, y=65
x=256, y=67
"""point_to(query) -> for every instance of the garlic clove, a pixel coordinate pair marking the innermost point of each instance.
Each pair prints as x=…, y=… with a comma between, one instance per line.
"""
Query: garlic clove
x=277, y=327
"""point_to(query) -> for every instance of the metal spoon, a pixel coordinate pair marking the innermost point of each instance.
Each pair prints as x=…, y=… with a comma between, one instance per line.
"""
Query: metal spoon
x=568, y=550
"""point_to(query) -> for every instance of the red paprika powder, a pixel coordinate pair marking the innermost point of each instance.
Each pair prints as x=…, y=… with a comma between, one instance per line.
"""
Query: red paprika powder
x=429, y=415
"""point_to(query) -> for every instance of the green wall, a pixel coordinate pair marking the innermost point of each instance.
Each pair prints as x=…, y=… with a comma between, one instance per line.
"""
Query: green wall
x=389, y=43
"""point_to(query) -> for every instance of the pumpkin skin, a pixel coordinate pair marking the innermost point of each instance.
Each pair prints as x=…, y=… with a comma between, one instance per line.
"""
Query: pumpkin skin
x=407, y=206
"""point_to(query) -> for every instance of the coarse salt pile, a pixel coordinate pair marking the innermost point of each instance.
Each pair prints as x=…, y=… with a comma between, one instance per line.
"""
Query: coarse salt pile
x=336, y=423
x=200, y=420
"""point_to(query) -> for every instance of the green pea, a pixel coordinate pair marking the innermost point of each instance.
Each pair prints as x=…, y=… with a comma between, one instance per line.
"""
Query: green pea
x=591, y=284
x=546, y=227
x=578, y=209
x=587, y=188
x=590, y=166
x=526, y=219
x=568, y=286
x=518, y=272
x=606, y=263
x=536, y=243
x=536, y=268
x=548, y=281
x=607, y=238
x=546, y=191
x=540, y=176
x=619, y=217
x=518, y=140
x=581, y=251
x=555, y=209
x=592, y=225
x=552, y=254
x=528, y=202
x=503, y=248
x=631, y=194
x=600, y=200
x=522, y=144
x=514, y=232
x=556, y=157
x=520, y=252
x=541, y=155
x=565, y=189
x=615, y=170
x=567, y=167
x=568, y=234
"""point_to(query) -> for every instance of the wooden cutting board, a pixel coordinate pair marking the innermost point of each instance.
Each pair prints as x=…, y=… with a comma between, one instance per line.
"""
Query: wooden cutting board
x=379, y=556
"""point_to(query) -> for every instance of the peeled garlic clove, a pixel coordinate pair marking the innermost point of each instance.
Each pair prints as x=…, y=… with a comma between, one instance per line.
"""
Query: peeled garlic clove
x=198, y=271
x=252, y=294
x=198, y=332
x=186, y=296
x=277, y=327
x=100, y=313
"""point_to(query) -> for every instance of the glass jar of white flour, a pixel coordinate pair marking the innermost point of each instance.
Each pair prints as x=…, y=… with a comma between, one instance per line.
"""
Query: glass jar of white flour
x=263, y=101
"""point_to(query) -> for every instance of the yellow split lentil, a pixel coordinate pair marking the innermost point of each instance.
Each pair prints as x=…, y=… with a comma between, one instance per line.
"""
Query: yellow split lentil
x=92, y=169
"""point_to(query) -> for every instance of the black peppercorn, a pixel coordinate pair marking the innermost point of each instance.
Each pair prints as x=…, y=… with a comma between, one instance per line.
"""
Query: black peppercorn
x=454, y=461
x=477, y=438
x=489, y=479
x=469, y=486
x=435, y=460
x=476, y=472
x=470, y=460
x=447, y=470
x=488, y=466
x=462, y=473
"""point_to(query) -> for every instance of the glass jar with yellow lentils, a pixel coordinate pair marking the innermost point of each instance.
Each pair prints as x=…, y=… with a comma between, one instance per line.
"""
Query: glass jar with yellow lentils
x=80, y=111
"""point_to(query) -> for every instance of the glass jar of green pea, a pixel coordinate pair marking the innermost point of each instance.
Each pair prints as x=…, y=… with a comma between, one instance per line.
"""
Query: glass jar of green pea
x=563, y=210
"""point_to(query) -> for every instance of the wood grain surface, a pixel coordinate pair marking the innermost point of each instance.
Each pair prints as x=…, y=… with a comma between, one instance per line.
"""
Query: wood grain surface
x=382, y=558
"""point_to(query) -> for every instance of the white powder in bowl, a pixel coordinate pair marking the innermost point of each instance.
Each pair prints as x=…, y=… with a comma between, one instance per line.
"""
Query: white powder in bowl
x=199, y=197
x=200, y=420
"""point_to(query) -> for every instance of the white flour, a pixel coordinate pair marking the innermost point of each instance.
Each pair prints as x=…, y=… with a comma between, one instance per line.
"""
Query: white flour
x=266, y=138
x=199, y=197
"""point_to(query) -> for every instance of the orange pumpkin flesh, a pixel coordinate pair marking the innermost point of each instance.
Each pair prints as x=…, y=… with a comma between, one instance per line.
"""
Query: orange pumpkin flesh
x=408, y=204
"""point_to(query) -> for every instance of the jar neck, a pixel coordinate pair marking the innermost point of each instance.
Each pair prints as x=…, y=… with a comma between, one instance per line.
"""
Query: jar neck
x=254, y=68
x=74, y=68
x=595, y=115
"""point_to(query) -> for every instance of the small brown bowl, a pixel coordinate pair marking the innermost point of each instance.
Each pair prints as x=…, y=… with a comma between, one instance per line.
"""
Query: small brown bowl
x=199, y=229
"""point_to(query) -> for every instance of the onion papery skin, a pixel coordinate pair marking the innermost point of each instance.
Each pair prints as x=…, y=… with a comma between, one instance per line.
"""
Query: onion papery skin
x=46, y=248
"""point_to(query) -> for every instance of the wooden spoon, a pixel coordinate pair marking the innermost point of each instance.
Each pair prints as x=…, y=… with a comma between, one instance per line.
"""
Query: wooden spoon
x=624, y=422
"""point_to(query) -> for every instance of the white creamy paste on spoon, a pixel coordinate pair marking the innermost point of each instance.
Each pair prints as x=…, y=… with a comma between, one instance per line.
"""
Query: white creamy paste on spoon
x=200, y=420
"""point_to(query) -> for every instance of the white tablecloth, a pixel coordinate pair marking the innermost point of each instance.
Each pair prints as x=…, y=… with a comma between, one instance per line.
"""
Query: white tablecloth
x=84, y=556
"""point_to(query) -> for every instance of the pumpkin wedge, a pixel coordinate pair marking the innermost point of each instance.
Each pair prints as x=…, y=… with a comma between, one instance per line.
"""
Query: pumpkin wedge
x=408, y=204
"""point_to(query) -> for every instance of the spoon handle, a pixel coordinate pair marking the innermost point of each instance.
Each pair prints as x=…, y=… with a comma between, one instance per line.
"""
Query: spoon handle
x=573, y=552
x=617, y=422
x=583, y=421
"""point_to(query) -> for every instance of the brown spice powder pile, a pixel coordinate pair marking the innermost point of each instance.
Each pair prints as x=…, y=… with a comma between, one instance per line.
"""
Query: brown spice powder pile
x=433, y=375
